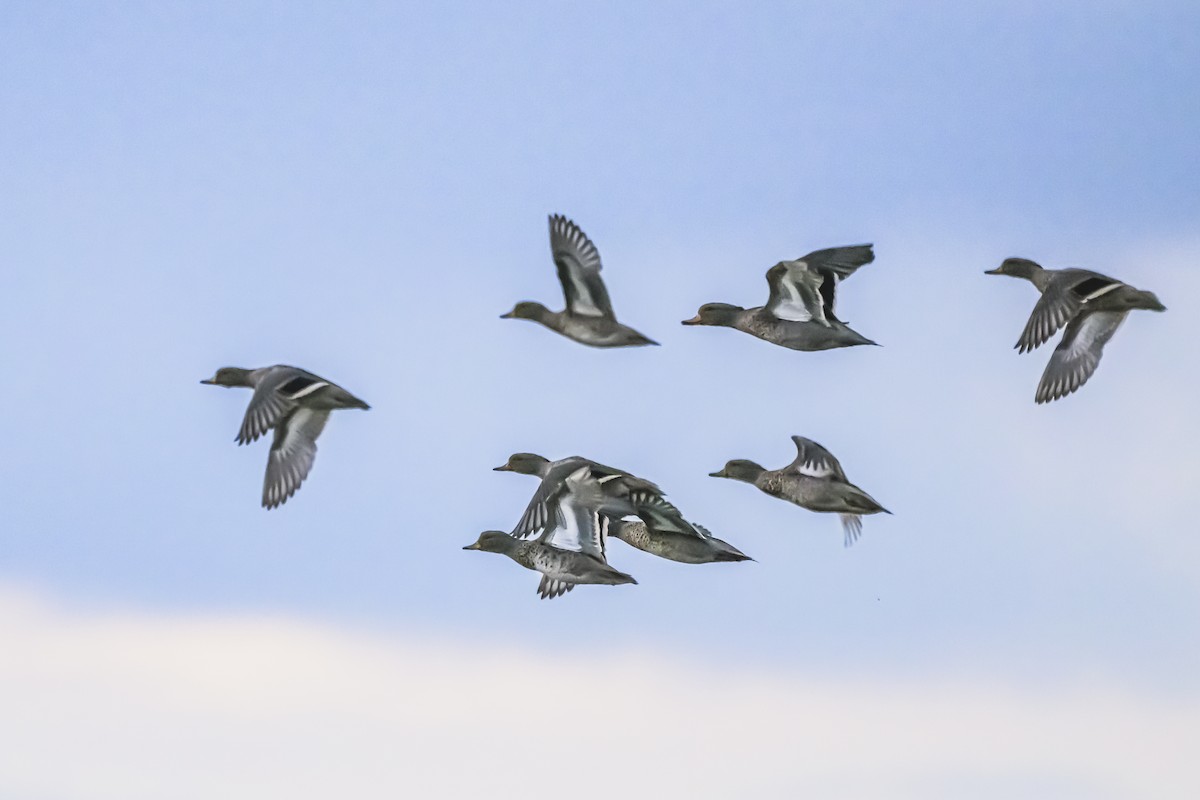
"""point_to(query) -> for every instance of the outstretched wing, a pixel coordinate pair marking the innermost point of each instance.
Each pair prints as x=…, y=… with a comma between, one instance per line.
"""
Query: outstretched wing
x=292, y=454
x=840, y=261
x=1078, y=354
x=578, y=263
x=1067, y=295
x=815, y=461
x=835, y=264
x=796, y=293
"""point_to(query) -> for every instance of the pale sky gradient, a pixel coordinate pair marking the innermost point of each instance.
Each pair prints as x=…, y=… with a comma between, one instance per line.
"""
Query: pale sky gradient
x=362, y=189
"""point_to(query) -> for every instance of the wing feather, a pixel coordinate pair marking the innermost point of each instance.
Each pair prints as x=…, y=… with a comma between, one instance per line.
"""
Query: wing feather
x=292, y=454
x=815, y=461
x=795, y=294
x=1062, y=301
x=1075, y=359
x=578, y=262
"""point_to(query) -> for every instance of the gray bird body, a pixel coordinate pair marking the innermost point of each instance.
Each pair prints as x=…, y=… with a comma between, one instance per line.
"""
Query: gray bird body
x=589, y=317
x=761, y=324
x=815, y=481
x=561, y=570
x=1089, y=305
x=295, y=404
x=799, y=313
x=675, y=546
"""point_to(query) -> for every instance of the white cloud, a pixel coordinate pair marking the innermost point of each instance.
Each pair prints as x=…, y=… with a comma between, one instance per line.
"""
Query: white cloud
x=139, y=705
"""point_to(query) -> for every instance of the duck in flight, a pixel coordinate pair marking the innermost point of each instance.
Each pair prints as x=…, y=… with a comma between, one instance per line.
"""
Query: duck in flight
x=295, y=404
x=814, y=480
x=1091, y=306
x=588, y=317
x=700, y=547
x=618, y=494
x=799, y=313
x=569, y=552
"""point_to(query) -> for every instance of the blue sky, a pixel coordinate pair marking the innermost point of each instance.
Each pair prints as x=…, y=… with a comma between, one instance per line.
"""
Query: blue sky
x=362, y=190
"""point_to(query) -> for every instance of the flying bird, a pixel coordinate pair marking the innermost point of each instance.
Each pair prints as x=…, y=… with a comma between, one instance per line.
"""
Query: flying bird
x=1091, y=306
x=617, y=494
x=588, y=317
x=814, y=480
x=294, y=403
x=568, y=553
x=700, y=547
x=799, y=313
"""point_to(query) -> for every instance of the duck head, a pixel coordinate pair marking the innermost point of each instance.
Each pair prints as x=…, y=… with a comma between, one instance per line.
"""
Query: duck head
x=1016, y=268
x=740, y=470
x=493, y=542
x=230, y=376
x=527, y=309
x=719, y=314
x=524, y=463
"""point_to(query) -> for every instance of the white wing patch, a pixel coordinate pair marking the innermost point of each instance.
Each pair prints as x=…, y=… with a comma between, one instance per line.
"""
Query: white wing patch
x=815, y=468
x=584, y=303
x=792, y=307
x=307, y=390
x=1103, y=290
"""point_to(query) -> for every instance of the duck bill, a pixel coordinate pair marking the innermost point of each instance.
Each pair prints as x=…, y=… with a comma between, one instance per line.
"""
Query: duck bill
x=502, y=468
x=472, y=546
x=995, y=271
x=509, y=315
x=693, y=321
x=720, y=474
x=209, y=382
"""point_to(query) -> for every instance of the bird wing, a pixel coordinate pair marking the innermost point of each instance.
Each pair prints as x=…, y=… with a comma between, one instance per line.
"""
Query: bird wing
x=543, y=511
x=578, y=263
x=840, y=261
x=851, y=528
x=292, y=454
x=1068, y=294
x=835, y=264
x=580, y=528
x=277, y=394
x=540, y=514
x=796, y=292
x=815, y=461
x=550, y=588
x=662, y=517
x=1078, y=354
